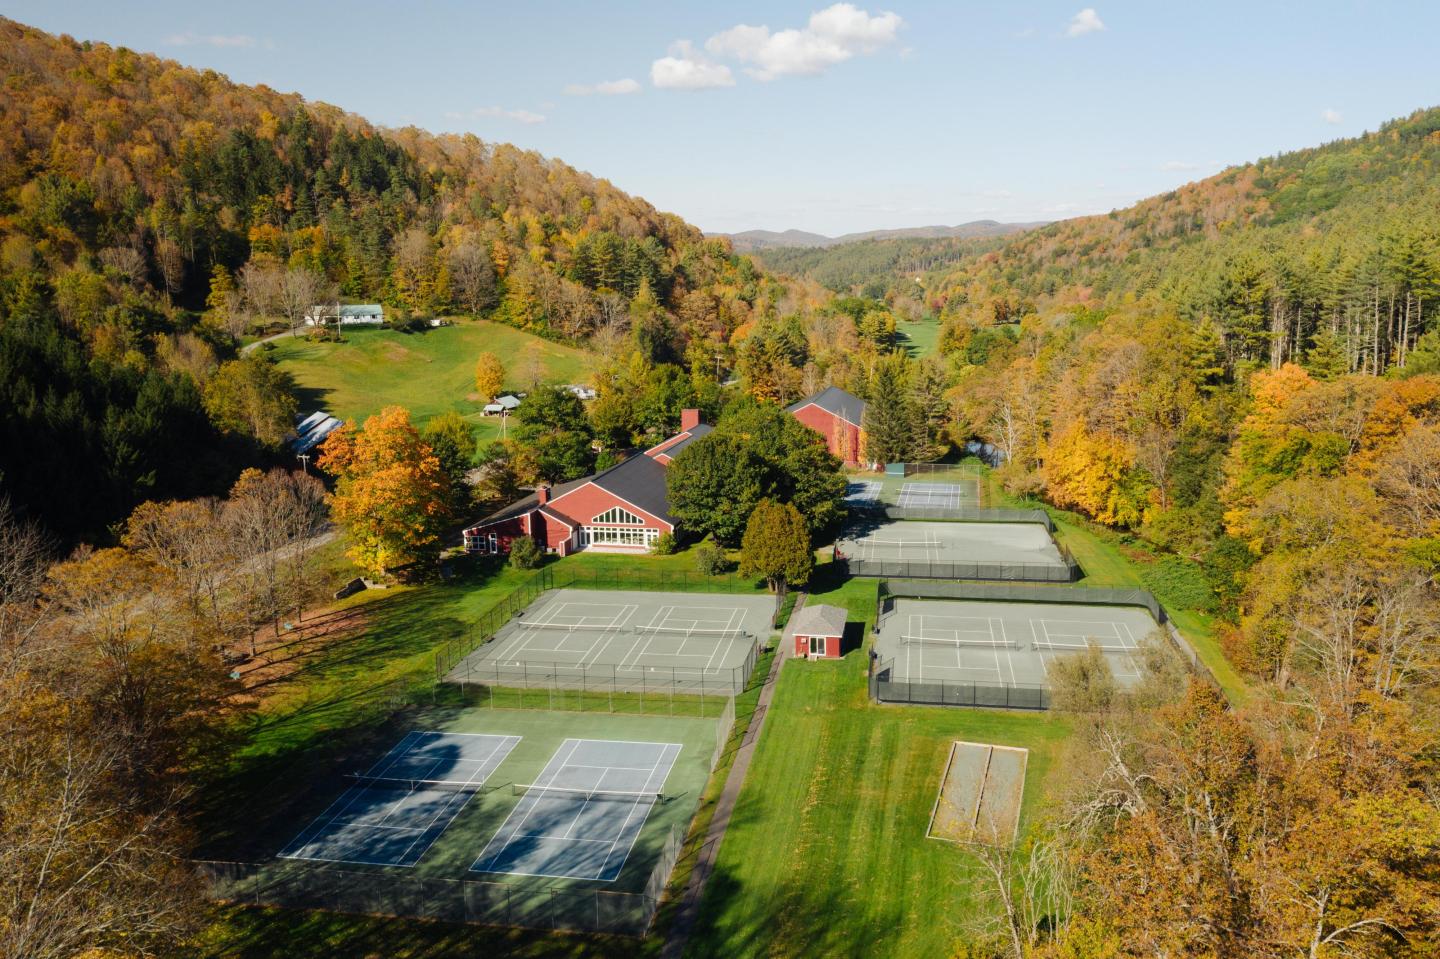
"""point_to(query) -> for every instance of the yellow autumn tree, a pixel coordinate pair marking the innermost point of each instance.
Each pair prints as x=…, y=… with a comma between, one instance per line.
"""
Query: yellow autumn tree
x=391, y=491
x=1093, y=472
x=489, y=376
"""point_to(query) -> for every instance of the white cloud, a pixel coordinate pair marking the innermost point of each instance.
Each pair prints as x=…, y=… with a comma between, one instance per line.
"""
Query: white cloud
x=1331, y=116
x=1086, y=21
x=519, y=116
x=831, y=36
x=687, y=69
x=189, y=39
x=605, y=88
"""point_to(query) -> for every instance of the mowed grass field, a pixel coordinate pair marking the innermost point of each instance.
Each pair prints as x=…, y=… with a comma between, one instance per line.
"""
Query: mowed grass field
x=826, y=854
x=428, y=373
x=919, y=337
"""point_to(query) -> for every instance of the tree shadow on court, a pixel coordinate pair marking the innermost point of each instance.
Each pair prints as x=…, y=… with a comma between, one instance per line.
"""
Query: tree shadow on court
x=339, y=710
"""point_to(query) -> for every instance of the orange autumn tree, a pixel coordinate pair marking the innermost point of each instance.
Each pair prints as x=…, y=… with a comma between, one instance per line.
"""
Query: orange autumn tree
x=391, y=492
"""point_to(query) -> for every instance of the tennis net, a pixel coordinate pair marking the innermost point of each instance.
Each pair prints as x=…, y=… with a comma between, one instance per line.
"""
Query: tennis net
x=576, y=793
x=709, y=633
x=416, y=785
x=568, y=627
x=1106, y=645
x=943, y=642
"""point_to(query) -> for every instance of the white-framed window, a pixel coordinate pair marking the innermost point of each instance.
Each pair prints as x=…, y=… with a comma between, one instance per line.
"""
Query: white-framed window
x=494, y=543
x=611, y=536
x=619, y=516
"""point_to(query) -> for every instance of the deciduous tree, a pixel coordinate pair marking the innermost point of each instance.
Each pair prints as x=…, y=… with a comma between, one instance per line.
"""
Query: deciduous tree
x=391, y=494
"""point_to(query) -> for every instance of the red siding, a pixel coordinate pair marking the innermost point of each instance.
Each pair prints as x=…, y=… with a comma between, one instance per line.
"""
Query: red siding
x=841, y=438
x=832, y=646
x=506, y=531
x=589, y=501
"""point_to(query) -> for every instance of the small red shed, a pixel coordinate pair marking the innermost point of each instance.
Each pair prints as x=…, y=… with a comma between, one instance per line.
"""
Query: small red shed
x=818, y=631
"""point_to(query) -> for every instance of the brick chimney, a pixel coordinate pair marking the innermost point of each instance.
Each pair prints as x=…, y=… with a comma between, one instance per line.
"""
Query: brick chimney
x=689, y=419
x=542, y=493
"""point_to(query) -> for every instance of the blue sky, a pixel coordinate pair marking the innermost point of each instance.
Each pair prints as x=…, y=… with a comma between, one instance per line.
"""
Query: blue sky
x=834, y=118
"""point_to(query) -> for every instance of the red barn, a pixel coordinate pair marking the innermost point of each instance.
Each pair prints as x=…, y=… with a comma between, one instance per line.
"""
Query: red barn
x=839, y=417
x=818, y=631
x=625, y=508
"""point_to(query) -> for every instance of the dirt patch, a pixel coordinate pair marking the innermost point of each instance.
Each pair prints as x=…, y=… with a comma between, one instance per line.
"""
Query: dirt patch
x=281, y=654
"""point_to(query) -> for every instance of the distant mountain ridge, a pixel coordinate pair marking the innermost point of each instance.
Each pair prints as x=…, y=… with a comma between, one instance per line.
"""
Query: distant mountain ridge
x=751, y=240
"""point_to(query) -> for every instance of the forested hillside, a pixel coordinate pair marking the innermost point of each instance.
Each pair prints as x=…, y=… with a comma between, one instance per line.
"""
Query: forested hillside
x=151, y=215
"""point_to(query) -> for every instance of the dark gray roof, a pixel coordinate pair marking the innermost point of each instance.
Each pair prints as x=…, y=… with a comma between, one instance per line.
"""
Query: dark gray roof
x=818, y=620
x=526, y=504
x=641, y=481
x=835, y=401
x=694, y=434
x=638, y=480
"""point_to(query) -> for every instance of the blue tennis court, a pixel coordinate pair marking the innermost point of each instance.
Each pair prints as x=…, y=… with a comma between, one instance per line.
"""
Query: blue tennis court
x=583, y=815
x=402, y=804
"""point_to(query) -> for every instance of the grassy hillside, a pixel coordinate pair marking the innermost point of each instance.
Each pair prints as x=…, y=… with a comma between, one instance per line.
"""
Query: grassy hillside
x=427, y=373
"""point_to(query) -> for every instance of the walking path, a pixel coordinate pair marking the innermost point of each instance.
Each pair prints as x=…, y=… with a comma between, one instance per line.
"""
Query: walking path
x=725, y=805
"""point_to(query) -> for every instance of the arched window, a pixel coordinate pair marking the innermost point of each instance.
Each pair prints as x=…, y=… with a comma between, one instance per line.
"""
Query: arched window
x=617, y=516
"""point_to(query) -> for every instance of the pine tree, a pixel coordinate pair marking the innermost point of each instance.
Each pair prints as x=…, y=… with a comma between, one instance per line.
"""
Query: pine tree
x=1326, y=359
x=894, y=426
x=776, y=545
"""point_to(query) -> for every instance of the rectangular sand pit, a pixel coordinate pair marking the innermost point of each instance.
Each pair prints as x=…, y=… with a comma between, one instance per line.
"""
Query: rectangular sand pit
x=980, y=794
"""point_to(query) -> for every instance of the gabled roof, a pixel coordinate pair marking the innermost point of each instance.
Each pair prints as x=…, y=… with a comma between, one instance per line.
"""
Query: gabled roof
x=818, y=620
x=687, y=438
x=362, y=309
x=639, y=481
x=527, y=504
x=675, y=443
x=836, y=402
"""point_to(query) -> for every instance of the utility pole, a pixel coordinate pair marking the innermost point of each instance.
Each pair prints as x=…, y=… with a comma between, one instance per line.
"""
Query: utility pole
x=304, y=459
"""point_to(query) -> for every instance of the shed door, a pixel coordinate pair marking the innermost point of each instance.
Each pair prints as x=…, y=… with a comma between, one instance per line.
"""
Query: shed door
x=817, y=645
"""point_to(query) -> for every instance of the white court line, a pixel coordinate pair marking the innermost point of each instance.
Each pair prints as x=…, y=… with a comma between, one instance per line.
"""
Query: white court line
x=574, y=745
x=1044, y=670
x=605, y=863
x=1005, y=640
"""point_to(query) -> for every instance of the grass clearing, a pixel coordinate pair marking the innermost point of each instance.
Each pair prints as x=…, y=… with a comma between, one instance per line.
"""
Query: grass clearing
x=827, y=853
x=428, y=373
x=919, y=337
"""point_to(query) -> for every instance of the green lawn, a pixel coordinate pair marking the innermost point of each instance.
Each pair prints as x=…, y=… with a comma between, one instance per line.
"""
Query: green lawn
x=427, y=373
x=919, y=337
x=827, y=854
x=356, y=697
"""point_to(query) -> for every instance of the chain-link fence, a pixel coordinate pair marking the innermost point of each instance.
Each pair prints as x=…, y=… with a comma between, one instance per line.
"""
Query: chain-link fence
x=888, y=590
x=885, y=687
x=963, y=514
x=448, y=656
x=311, y=885
x=476, y=675
x=1066, y=572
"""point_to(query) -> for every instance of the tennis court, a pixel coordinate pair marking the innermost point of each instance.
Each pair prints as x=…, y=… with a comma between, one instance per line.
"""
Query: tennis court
x=625, y=640
x=581, y=818
x=1005, y=644
x=939, y=495
x=906, y=541
x=398, y=808
x=863, y=493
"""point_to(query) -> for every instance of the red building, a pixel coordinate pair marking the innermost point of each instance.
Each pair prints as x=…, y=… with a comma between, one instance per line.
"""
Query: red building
x=839, y=417
x=625, y=508
x=818, y=631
